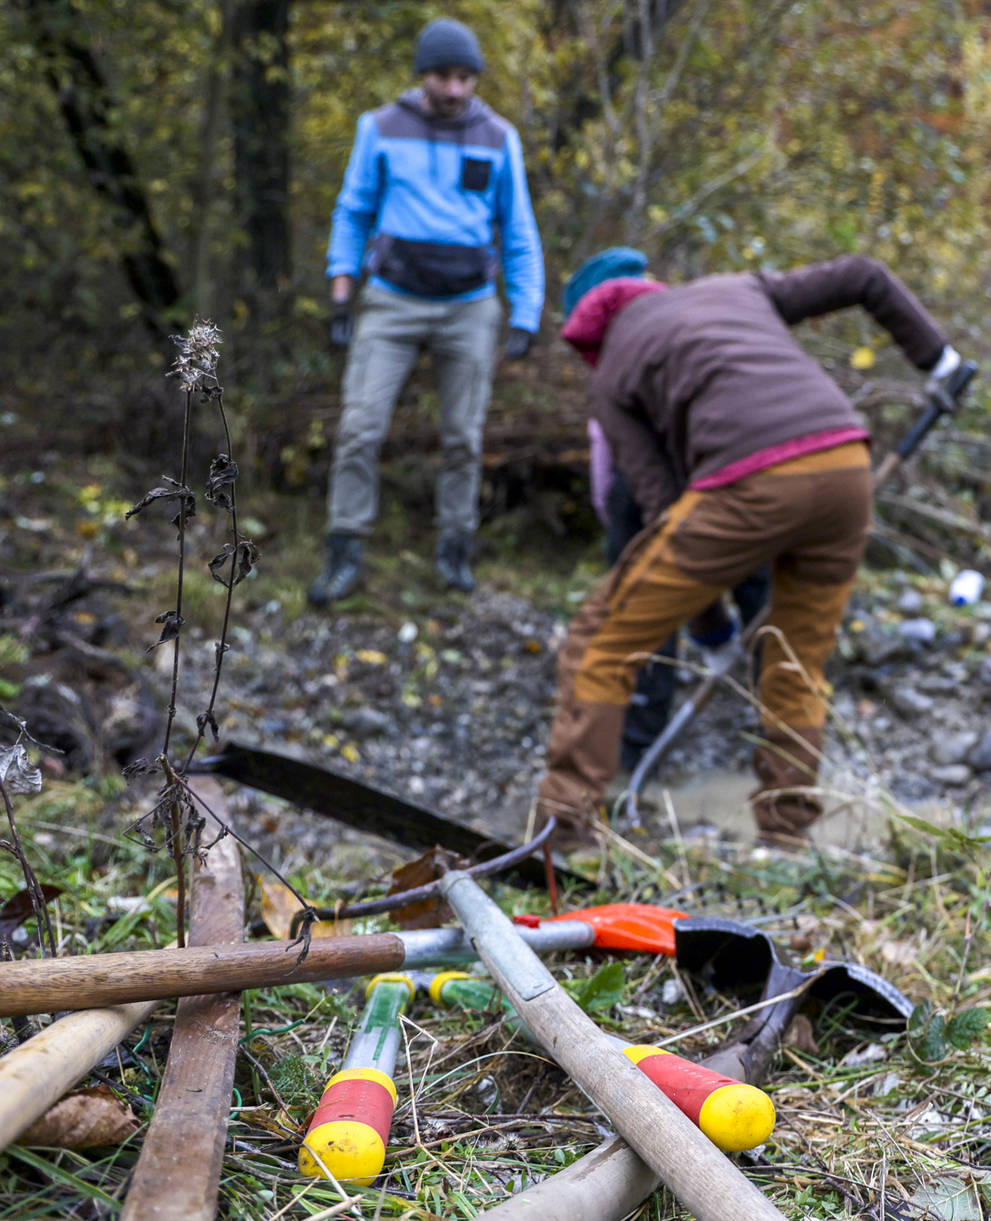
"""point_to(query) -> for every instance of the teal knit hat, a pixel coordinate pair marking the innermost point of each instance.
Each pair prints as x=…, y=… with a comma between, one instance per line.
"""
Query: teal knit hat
x=608, y=264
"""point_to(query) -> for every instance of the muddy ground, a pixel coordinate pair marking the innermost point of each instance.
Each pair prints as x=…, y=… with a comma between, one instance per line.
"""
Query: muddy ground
x=446, y=699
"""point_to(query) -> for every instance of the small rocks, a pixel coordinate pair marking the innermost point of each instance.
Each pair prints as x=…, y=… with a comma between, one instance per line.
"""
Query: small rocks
x=910, y=602
x=910, y=702
x=365, y=722
x=923, y=631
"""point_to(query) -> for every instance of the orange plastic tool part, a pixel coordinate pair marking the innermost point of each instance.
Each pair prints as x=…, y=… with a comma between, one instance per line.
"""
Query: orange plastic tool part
x=622, y=926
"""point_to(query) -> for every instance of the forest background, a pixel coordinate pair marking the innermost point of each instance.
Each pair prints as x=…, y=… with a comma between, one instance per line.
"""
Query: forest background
x=168, y=159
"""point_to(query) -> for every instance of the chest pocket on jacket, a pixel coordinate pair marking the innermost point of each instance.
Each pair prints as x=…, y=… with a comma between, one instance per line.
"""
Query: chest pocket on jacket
x=475, y=173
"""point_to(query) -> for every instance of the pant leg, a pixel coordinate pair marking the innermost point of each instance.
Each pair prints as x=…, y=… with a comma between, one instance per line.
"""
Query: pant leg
x=463, y=350
x=650, y=703
x=623, y=517
x=811, y=584
x=643, y=599
x=649, y=708
x=810, y=517
x=389, y=333
x=797, y=640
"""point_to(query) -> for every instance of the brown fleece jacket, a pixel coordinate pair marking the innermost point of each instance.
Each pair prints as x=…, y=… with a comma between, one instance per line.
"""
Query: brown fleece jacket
x=706, y=374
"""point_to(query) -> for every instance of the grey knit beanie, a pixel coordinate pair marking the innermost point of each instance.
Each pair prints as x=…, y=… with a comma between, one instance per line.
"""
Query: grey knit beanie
x=446, y=43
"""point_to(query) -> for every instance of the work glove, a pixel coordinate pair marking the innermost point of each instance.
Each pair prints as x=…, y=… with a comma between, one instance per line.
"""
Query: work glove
x=517, y=343
x=942, y=383
x=340, y=327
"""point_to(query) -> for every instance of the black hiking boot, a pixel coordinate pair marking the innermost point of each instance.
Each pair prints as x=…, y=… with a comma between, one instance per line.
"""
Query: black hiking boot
x=343, y=570
x=452, y=559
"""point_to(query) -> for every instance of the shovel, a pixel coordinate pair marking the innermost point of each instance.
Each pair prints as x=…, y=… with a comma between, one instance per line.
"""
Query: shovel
x=702, y=1178
x=726, y=658
x=732, y=955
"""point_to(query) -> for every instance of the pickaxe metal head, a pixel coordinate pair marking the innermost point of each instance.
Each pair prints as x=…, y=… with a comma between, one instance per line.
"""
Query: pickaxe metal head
x=732, y=955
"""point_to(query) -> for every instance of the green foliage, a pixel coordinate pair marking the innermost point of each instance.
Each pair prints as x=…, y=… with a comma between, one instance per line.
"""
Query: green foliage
x=933, y=1034
x=293, y=1079
x=600, y=993
x=751, y=135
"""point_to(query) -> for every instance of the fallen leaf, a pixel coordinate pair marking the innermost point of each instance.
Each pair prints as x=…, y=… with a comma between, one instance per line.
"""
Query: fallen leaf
x=279, y=905
x=84, y=1120
x=900, y=953
x=372, y=656
x=18, y=908
x=332, y=928
x=270, y=1120
x=949, y=1199
x=800, y=1036
x=431, y=912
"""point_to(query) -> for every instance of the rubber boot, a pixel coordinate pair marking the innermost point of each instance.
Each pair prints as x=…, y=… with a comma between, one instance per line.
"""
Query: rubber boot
x=452, y=559
x=343, y=570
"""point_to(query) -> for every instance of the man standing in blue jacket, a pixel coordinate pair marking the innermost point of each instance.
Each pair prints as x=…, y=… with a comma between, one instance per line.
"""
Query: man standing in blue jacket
x=434, y=201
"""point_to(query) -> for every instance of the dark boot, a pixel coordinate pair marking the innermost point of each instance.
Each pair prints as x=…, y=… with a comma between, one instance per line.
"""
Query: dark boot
x=787, y=802
x=452, y=559
x=343, y=570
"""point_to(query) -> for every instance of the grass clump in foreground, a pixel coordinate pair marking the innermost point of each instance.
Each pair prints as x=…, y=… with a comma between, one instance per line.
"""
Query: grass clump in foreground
x=868, y=1119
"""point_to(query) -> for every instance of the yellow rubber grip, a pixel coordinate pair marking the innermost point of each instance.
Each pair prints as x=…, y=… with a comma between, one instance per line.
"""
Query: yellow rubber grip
x=737, y=1117
x=442, y=978
x=350, y=1151
x=391, y=977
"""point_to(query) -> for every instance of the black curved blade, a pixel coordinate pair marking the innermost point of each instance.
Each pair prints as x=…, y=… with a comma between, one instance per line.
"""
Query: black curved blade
x=365, y=808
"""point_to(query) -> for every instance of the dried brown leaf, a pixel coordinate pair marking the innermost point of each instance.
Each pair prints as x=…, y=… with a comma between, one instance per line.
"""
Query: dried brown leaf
x=84, y=1120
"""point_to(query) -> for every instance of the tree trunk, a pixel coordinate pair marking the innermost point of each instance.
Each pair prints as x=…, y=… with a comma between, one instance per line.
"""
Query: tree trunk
x=260, y=113
x=87, y=104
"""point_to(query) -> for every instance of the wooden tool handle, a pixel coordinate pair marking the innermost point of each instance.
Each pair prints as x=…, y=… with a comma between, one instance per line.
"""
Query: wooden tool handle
x=702, y=1178
x=51, y=985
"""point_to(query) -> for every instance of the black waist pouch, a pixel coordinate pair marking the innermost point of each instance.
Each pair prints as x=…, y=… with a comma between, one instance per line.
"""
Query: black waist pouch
x=430, y=269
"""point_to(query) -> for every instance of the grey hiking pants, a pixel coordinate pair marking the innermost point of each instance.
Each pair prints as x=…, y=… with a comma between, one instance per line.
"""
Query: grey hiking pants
x=390, y=332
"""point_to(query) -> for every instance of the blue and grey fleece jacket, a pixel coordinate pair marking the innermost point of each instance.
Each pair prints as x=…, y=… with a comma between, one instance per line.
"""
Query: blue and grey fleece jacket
x=431, y=206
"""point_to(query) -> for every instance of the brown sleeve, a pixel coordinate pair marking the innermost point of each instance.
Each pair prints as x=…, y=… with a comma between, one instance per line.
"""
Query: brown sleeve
x=854, y=279
x=637, y=452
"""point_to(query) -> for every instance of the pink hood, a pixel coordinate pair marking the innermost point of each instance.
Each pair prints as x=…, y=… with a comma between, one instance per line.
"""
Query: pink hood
x=586, y=329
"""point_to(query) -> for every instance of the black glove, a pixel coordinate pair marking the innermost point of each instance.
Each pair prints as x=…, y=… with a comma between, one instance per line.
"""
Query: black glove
x=340, y=328
x=517, y=343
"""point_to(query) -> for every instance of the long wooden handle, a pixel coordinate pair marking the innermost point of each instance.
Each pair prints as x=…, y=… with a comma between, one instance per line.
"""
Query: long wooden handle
x=35, y=1075
x=49, y=985
x=694, y=1169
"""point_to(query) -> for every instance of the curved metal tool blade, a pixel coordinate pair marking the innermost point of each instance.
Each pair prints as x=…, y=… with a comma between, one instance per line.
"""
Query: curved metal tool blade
x=363, y=807
x=734, y=956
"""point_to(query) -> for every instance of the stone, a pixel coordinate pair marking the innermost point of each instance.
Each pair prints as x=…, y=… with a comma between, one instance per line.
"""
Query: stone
x=953, y=775
x=365, y=722
x=910, y=602
x=980, y=757
x=950, y=748
x=921, y=630
x=909, y=702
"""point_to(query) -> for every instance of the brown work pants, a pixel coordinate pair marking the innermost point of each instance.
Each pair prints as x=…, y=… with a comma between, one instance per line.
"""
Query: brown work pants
x=808, y=519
